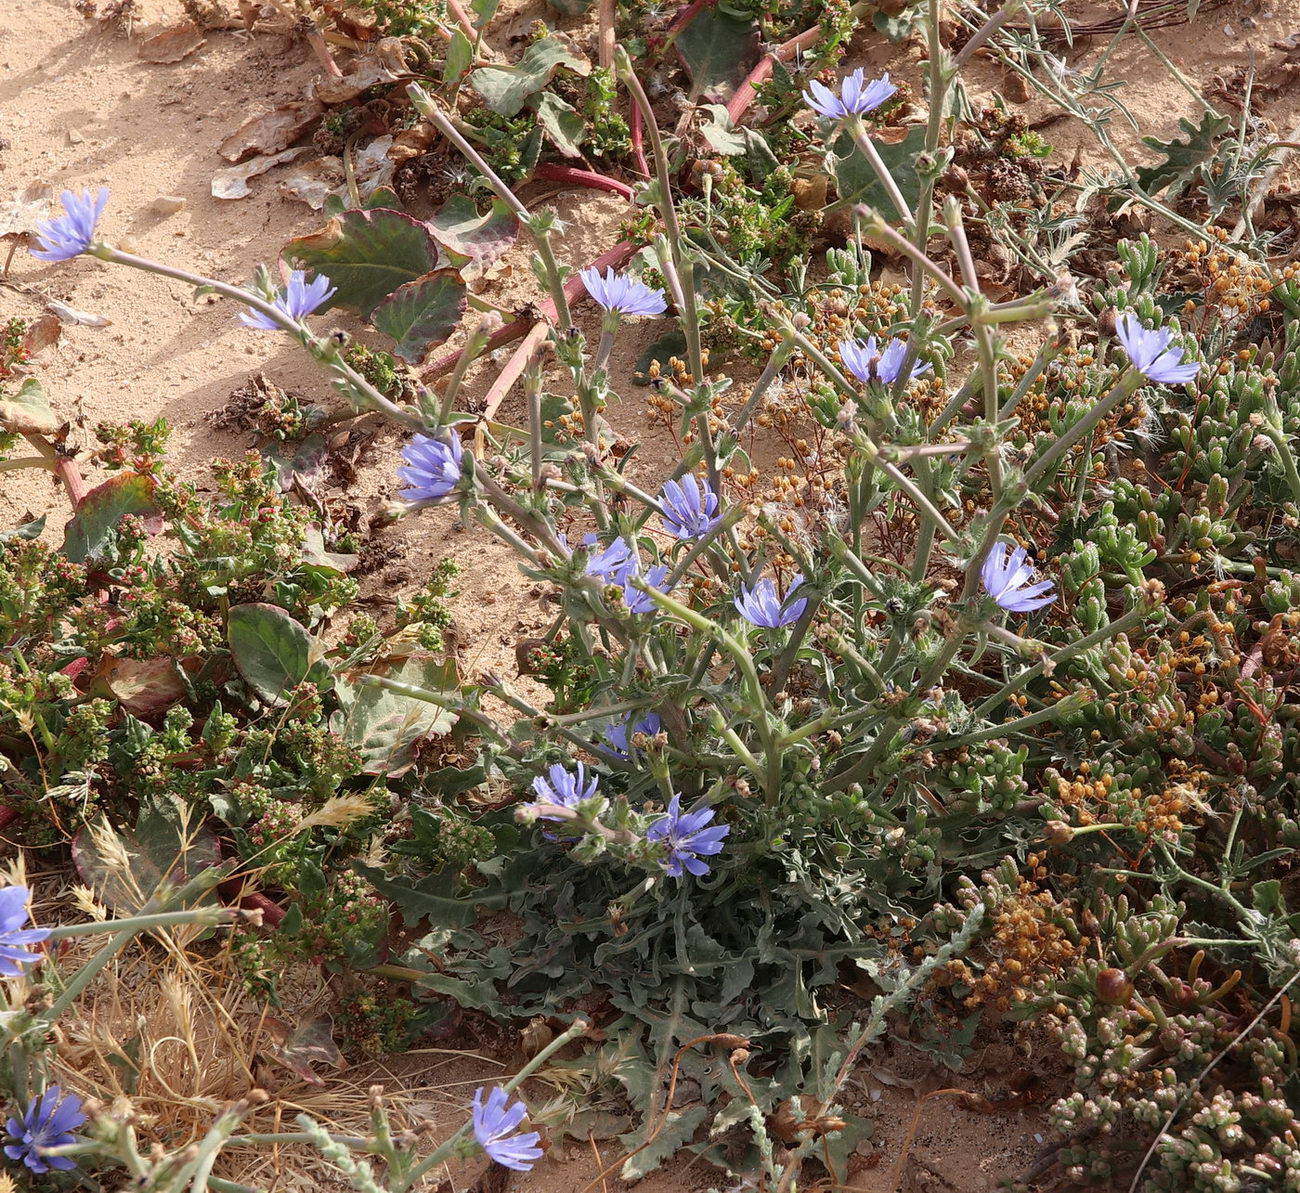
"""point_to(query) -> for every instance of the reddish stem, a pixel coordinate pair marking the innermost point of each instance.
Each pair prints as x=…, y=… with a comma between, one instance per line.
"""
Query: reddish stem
x=572, y=176
x=636, y=133
x=272, y=912
x=686, y=15
x=747, y=90
x=7, y=816
x=574, y=291
x=67, y=471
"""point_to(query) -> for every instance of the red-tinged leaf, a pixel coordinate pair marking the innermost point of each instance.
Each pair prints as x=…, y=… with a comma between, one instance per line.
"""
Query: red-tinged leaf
x=471, y=238
x=422, y=313
x=367, y=255
x=98, y=513
x=172, y=44
x=146, y=688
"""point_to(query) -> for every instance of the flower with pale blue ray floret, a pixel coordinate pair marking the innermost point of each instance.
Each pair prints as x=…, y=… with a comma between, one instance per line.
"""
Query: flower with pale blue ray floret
x=566, y=788
x=494, y=1127
x=295, y=300
x=71, y=234
x=14, y=937
x=433, y=467
x=761, y=606
x=612, y=564
x=618, y=736
x=865, y=360
x=623, y=294
x=49, y=1121
x=638, y=600
x=690, y=509
x=1009, y=577
x=688, y=836
x=857, y=97
x=1151, y=354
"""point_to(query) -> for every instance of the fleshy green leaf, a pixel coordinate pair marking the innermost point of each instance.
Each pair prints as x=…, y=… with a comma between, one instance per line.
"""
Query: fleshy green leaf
x=561, y=122
x=100, y=510
x=384, y=725
x=470, y=240
x=460, y=54
x=272, y=650
x=857, y=181
x=719, y=50
x=367, y=255
x=28, y=411
x=421, y=313
x=28, y=530
x=505, y=89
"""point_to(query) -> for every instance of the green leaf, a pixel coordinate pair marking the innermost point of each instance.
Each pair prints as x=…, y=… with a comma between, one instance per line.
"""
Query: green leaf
x=857, y=181
x=460, y=55
x=27, y=411
x=163, y=853
x=674, y=1131
x=367, y=255
x=28, y=530
x=89, y=531
x=431, y=898
x=1181, y=158
x=272, y=650
x=384, y=725
x=421, y=313
x=719, y=50
x=470, y=240
x=505, y=89
x=561, y=122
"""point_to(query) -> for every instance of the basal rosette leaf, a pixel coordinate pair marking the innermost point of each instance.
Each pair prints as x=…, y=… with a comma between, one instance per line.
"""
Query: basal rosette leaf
x=422, y=314
x=367, y=255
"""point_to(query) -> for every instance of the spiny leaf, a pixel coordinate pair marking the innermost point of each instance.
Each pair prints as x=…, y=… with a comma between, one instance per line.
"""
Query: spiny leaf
x=1181, y=158
x=422, y=313
x=367, y=255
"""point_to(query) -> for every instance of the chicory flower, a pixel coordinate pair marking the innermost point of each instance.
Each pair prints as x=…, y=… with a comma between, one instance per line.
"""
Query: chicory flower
x=494, y=1124
x=48, y=1122
x=868, y=363
x=623, y=294
x=433, y=467
x=296, y=299
x=690, y=509
x=71, y=234
x=761, y=606
x=688, y=836
x=1151, y=354
x=1009, y=577
x=565, y=788
x=14, y=902
x=857, y=97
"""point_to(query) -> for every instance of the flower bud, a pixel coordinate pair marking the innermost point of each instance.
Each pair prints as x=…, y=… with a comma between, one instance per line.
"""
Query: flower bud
x=1114, y=987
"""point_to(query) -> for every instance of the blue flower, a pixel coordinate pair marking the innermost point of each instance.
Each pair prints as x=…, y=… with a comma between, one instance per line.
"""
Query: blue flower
x=563, y=788
x=297, y=299
x=857, y=97
x=619, y=735
x=612, y=564
x=1009, y=577
x=622, y=293
x=1151, y=354
x=49, y=1122
x=761, y=606
x=687, y=837
x=13, y=915
x=67, y=236
x=867, y=364
x=690, y=509
x=493, y=1123
x=636, y=599
x=433, y=467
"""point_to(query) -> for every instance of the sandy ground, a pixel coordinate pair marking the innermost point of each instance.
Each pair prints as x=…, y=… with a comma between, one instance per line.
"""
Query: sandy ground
x=78, y=108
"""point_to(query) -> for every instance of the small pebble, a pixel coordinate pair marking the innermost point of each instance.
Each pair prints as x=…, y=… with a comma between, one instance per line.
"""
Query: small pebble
x=74, y=137
x=169, y=204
